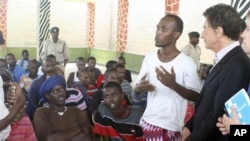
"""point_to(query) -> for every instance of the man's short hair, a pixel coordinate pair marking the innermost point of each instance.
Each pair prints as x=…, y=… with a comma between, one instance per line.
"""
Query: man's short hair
x=112, y=84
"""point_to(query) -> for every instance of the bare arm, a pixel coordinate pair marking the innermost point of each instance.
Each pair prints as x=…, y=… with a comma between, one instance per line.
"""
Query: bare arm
x=70, y=80
x=168, y=79
x=185, y=93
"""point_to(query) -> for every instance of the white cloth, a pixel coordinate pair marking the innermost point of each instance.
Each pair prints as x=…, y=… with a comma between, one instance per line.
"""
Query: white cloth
x=76, y=79
x=219, y=55
x=40, y=72
x=4, y=112
x=166, y=108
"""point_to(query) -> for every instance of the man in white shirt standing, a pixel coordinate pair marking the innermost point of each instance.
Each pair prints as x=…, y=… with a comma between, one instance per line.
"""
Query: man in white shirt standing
x=192, y=49
x=171, y=79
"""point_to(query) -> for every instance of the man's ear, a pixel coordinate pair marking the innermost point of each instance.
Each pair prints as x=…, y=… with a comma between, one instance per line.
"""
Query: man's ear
x=177, y=34
x=47, y=95
x=219, y=31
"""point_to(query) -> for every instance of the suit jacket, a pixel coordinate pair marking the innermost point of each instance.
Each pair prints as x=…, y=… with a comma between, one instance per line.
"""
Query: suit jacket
x=227, y=77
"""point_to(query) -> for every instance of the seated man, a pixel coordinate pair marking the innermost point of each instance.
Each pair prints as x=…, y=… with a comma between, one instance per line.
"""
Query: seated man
x=126, y=86
x=58, y=122
x=85, y=88
x=203, y=73
x=24, y=61
x=113, y=119
x=72, y=78
x=122, y=60
x=59, y=68
x=97, y=98
x=15, y=69
x=91, y=61
x=101, y=78
x=27, y=78
x=4, y=69
x=74, y=97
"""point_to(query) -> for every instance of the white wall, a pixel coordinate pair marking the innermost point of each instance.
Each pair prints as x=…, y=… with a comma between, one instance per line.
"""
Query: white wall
x=191, y=12
x=22, y=23
x=70, y=16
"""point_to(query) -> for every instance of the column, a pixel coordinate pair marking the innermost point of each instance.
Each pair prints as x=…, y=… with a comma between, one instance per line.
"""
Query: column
x=44, y=23
x=172, y=7
x=90, y=25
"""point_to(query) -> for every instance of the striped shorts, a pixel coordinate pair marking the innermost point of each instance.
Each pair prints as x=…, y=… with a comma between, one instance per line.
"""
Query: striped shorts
x=154, y=133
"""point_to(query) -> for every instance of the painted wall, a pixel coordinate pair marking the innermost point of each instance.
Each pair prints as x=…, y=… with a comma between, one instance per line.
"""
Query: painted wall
x=70, y=17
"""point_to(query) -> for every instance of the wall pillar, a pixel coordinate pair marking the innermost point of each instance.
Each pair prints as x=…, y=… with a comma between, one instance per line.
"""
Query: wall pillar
x=90, y=25
x=172, y=7
x=3, y=17
x=43, y=24
x=122, y=31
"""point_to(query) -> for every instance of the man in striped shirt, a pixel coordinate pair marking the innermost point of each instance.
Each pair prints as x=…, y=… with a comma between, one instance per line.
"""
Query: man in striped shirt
x=115, y=120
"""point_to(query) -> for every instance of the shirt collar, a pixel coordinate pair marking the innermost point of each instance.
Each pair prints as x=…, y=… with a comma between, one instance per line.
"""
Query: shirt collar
x=219, y=55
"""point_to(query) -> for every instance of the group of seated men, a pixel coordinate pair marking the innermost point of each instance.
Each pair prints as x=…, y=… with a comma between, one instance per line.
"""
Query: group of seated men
x=104, y=99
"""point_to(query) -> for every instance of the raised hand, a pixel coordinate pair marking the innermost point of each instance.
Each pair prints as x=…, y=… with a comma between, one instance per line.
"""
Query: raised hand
x=166, y=78
x=144, y=85
x=15, y=95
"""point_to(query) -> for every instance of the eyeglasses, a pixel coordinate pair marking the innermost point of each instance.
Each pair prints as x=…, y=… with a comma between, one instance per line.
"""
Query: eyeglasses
x=57, y=91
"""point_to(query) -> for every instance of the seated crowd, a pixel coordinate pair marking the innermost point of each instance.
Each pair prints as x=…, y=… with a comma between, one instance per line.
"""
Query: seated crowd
x=88, y=104
x=41, y=104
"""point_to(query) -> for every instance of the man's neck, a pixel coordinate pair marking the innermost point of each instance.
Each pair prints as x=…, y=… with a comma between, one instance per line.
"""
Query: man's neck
x=222, y=44
x=122, y=113
x=11, y=68
x=167, y=54
x=55, y=40
x=193, y=45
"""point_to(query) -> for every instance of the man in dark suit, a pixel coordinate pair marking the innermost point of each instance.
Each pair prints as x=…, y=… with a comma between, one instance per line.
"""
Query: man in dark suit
x=230, y=73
